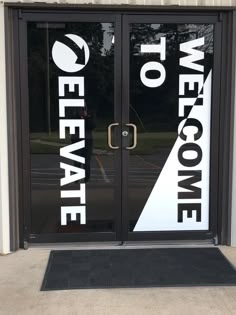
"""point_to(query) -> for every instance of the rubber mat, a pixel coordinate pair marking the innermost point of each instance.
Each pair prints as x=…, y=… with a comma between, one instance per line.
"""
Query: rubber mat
x=77, y=269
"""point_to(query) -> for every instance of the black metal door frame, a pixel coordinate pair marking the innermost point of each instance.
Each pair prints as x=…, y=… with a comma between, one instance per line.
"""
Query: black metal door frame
x=121, y=116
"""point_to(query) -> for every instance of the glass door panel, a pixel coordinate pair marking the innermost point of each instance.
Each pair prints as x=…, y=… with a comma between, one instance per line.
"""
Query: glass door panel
x=170, y=103
x=71, y=80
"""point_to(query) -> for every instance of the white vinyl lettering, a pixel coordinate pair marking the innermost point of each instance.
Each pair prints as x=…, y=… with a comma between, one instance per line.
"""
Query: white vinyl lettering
x=153, y=66
x=182, y=203
x=185, y=102
x=65, y=53
x=66, y=151
x=191, y=80
x=71, y=82
x=63, y=103
x=156, y=48
x=72, y=174
x=71, y=54
x=79, y=193
x=71, y=124
x=73, y=211
x=194, y=54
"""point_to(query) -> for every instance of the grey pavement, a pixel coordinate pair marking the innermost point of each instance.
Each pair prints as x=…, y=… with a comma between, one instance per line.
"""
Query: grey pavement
x=21, y=274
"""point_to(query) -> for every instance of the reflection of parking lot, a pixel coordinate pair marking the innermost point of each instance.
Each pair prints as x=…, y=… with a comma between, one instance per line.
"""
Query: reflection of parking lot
x=45, y=174
x=102, y=200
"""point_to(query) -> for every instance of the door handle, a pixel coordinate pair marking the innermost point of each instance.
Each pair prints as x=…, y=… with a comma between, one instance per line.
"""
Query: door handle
x=135, y=137
x=109, y=136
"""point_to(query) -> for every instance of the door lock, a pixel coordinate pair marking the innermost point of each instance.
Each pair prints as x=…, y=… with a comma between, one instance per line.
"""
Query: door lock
x=125, y=133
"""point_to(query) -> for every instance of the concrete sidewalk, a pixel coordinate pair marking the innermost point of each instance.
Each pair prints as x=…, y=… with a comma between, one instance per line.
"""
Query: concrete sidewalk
x=21, y=275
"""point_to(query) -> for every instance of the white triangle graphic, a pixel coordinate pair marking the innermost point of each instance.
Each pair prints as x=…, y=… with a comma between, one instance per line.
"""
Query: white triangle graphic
x=160, y=212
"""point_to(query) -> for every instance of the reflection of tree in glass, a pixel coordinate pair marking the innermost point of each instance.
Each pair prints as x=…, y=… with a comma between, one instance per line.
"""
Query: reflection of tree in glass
x=142, y=34
x=194, y=31
x=36, y=77
x=158, y=107
x=98, y=73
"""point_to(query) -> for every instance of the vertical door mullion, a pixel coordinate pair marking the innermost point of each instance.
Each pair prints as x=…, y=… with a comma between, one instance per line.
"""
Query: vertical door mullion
x=125, y=120
x=117, y=131
x=215, y=132
x=25, y=129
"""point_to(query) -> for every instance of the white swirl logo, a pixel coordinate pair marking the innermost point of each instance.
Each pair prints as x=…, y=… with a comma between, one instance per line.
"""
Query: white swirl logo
x=72, y=54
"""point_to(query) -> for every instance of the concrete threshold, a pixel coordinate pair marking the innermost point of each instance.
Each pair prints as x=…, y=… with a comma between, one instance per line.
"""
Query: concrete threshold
x=116, y=245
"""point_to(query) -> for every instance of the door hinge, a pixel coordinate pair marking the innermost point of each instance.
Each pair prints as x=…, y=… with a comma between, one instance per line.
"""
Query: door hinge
x=220, y=17
x=215, y=240
x=19, y=14
x=26, y=245
x=26, y=237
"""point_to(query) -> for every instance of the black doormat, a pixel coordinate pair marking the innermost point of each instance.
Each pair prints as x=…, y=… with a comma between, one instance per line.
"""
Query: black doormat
x=74, y=269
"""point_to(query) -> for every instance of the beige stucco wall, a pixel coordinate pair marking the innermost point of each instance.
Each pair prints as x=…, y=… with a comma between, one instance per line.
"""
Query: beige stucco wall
x=141, y=2
x=233, y=204
x=4, y=194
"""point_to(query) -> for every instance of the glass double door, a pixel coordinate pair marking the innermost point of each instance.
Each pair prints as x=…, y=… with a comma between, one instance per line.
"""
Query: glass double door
x=119, y=121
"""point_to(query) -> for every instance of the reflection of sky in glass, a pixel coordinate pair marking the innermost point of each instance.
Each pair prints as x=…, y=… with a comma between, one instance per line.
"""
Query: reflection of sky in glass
x=108, y=33
x=158, y=35
x=172, y=33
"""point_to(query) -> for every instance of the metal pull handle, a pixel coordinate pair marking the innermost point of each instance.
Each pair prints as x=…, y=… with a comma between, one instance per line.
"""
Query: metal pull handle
x=135, y=137
x=109, y=136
